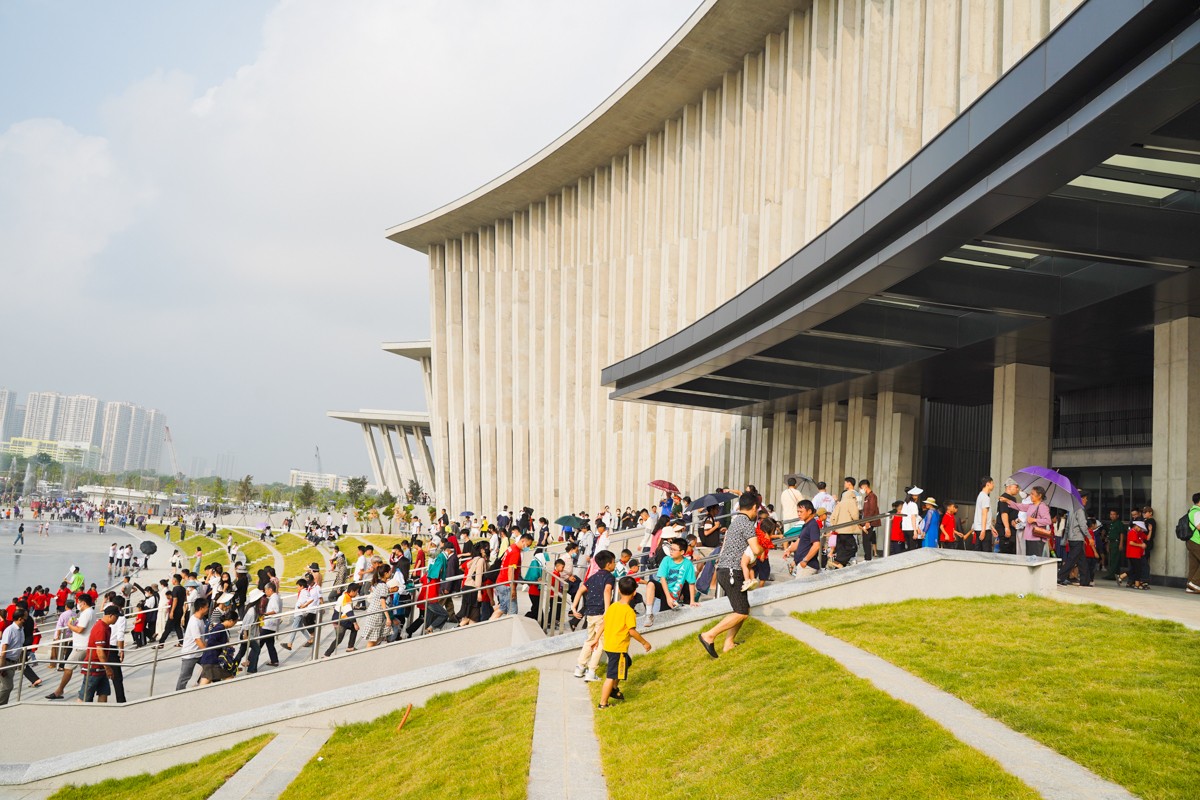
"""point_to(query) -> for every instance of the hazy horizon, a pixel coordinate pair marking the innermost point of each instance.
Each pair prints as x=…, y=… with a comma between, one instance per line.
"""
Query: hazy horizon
x=193, y=197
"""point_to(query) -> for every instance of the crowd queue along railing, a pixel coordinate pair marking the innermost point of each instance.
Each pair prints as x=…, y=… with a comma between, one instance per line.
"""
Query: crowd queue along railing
x=553, y=609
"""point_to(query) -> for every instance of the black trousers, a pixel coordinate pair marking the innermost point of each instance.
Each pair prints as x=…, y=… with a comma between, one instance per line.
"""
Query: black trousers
x=118, y=683
x=266, y=639
x=868, y=541
x=175, y=625
x=341, y=633
x=1072, y=559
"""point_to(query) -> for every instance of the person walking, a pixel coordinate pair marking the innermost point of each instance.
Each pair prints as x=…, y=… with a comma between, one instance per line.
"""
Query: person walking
x=272, y=610
x=11, y=643
x=1076, y=534
x=20, y=535
x=1193, y=546
x=193, y=642
x=1038, y=527
x=741, y=534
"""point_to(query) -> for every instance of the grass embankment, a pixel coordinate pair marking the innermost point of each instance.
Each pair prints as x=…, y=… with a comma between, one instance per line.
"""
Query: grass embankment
x=194, y=781
x=778, y=720
x=498, y=710
x=1111, y=691
x=297, y=555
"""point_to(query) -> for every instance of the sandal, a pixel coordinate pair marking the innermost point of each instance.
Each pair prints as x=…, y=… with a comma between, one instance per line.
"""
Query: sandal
x=604, y=705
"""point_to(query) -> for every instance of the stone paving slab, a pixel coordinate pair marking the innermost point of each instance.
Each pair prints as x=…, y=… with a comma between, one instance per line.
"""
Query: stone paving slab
x=565, y=763
x=1159, y=602
x=1049, y=773
x=265, y=776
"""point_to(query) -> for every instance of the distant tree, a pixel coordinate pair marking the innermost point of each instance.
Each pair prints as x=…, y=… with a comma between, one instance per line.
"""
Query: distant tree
x=306, y=495
x=244, y=491
x=414, y=490
x=355, y=489
x=217, y=495
x=385, y=499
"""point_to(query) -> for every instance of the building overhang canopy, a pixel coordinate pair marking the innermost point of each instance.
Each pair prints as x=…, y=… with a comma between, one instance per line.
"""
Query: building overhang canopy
x=416, y=350
x=370, y=416
x=1053, y=222
x=713, y=41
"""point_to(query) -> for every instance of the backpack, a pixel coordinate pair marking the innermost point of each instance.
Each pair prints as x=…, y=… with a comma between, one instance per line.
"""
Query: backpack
x=536, y=568
x=1183, y=528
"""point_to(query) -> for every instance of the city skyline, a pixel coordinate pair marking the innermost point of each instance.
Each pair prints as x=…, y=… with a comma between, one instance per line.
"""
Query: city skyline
x=203, y=192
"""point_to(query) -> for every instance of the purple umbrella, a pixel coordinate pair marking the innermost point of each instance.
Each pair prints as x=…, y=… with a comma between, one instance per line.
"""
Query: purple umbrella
x=1060, y=492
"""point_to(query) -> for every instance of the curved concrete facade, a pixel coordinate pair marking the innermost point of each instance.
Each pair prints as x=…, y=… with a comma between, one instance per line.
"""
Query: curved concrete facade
x=743, y=139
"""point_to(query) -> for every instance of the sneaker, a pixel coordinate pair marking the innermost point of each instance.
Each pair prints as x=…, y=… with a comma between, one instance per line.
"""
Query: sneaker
x=590, y=676
x=579, y=672
x=649, y=620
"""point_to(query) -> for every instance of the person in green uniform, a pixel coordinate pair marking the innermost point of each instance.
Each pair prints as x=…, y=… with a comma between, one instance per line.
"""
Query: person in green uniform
x=1193, y=546
x=1116, y=545
x=75, y=580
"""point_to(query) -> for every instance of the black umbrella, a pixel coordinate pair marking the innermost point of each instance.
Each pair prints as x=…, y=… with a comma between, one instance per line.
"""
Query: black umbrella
x=570, y=521
x=149, y=548
x=715, y=499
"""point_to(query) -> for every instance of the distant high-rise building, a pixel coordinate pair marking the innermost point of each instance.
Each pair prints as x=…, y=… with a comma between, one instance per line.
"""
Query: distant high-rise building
x=41, y=415
x=8, y=414
x=156, y=423
x=80, y=419
x=114, y=445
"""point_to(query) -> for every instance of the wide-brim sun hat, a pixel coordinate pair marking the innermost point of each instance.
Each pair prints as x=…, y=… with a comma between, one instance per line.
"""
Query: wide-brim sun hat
x=254, y=595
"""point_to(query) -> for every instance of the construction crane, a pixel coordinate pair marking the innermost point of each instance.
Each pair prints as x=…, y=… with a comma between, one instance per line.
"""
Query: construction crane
x=319, y=470
x=170, y=449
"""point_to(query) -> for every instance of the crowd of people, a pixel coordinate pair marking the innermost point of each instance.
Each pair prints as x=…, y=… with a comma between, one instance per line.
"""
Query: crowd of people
x=469, y=570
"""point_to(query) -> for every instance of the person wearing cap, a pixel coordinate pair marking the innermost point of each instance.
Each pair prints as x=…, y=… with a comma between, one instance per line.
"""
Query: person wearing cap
x=931, y=522
x=910, y=518
x=271, y=611
x=249, y=621
x=99, y=659
x=343, y=619
x=216, y=638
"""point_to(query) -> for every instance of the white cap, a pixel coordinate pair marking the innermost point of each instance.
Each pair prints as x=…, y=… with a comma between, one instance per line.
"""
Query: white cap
x=916, y=490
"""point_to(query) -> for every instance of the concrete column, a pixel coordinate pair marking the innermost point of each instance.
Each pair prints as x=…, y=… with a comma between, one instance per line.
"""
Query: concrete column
x=426, y=460
x=860, y=437
x=1175, y=453
x=391, y=475
x=406, y=449
x=373, y=454
x=1022, y=405
x=833, y=444
x=896, y=446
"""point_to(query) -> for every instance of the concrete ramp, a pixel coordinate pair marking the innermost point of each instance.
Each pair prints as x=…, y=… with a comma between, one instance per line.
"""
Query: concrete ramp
x=186, y=725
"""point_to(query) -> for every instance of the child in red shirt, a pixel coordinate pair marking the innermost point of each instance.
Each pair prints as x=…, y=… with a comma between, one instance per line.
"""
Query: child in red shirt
x=1135, y=551
x=1091, y=557
x=139, y=626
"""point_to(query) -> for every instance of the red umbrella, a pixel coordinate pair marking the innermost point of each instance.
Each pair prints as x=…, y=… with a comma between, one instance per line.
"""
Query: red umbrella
x=665, y=486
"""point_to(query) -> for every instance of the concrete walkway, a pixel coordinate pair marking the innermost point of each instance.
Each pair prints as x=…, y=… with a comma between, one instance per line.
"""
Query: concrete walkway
x=565, y=764
x=1050, y=774
x=265, y=776
x=1159, y=602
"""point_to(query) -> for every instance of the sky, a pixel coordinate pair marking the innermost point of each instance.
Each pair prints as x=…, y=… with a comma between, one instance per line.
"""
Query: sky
x=193, y=195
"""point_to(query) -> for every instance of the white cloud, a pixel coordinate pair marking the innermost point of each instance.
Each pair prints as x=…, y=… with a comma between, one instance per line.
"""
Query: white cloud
x=62, y=199
x=271, y=192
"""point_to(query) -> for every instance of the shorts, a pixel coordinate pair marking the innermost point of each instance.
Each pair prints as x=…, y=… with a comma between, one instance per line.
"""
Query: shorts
x=618, y=666
x=78, y=654
x=213, y=673
x=94, y=685
x=730, y=581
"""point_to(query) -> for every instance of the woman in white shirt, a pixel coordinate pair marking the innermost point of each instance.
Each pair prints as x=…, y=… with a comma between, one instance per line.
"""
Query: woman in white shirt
x=910, y=521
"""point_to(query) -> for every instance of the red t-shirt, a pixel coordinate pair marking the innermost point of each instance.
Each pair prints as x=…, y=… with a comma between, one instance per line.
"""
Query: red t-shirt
x=97, y=639
x=897, y=532
x=60, y=597
x=1135, y=536
x=512, y=558
x=947, y=528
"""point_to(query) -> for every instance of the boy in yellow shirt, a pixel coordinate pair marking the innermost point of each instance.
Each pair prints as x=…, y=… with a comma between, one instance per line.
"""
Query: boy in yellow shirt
x=620, y=624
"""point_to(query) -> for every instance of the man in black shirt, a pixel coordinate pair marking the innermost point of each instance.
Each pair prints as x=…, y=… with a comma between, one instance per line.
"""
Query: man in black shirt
x=1006, y=520
x=741, y=534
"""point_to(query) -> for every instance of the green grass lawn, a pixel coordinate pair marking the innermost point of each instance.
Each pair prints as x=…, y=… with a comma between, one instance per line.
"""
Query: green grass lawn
x=774, y=718
x=426, y=758
x=194, y=781
x=297, y=555
x=1109, y=690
